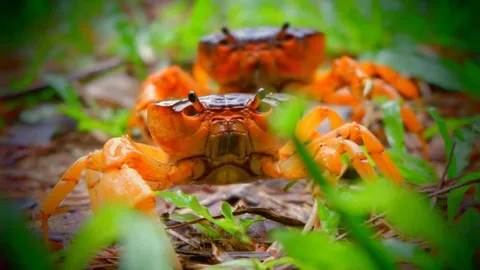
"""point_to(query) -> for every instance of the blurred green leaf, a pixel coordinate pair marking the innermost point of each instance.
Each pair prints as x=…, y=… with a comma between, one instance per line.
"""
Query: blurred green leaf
x=146, y=244
x=410, y=212
x=468, y=225
x=286, y=115
x=452, y=124
x=19, y=248
x=118, y=222
x=404, y=206
x=183, y=200
x=238, y=264
x=455, y=196
x=463, y=148
x=442, y=127
x=329, y=219
x=315, y=251
x=394, y=125
x=131, y=50
x=410, y=253
x=413, y=169
x=99, y=231
x=64, y=89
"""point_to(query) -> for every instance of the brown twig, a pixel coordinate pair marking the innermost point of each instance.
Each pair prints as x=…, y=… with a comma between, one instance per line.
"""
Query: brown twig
x=266, y=213
x=233, y=254
x=447, y=189
x=103, y=66
x=444, y=175
x=425, y=188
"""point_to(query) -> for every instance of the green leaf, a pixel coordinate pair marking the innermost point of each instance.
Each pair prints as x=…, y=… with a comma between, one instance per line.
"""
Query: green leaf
x=118, y=222
x=410, y=253
x=183, y=200
x=315, y=251
x=394, y=125
x=413, y=169
x=202, y=227
x=442, y=127
x=64, y=89
x=455, y=196
x=253, y=264
x=146, y=244
x=286, y=115
x=246, y=223
x=227, y=211
x=452, y=124
x=463, y=148
x=98, y=231
x=19, y=248
x=329, y=219
x=468, y=226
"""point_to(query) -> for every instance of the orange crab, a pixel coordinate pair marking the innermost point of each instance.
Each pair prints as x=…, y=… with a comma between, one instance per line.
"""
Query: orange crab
x=215, y=140
x=278, y=59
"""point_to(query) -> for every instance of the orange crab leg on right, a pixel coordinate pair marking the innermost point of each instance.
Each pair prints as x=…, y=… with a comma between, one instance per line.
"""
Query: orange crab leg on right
x=331, y=87
x=327, y=149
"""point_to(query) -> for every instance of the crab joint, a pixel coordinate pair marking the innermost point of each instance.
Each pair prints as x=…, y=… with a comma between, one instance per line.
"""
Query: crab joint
x=283, y=31
x=228, y=34
x=193, y=98
x=258, y=98
x=368, y=87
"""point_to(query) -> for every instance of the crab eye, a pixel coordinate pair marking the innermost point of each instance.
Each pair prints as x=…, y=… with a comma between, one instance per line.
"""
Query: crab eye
x=282, y=34
x=229, y=37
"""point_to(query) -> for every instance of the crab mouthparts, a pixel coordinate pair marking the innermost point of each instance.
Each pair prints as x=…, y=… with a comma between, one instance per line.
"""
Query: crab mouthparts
x=228, y=146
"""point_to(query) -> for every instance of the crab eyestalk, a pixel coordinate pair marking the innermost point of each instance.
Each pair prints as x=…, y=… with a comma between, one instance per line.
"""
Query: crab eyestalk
x=193, y=98
x=258, y=98
x=230, y=38
x=283, y=31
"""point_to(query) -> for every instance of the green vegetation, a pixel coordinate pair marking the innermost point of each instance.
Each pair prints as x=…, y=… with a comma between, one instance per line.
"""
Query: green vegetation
x=401, y=34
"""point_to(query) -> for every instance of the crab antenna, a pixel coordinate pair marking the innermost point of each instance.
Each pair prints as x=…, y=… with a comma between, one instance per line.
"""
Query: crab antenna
x=283, y=31
x=193, y=98
x=258, y=98
x=228, y=34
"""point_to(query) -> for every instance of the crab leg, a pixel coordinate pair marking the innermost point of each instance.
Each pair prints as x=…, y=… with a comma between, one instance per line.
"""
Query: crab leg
x=355, y=133
x=406, y=87
x=307, y=127
x=379, y=88
x=332, y=162
x=120, y=171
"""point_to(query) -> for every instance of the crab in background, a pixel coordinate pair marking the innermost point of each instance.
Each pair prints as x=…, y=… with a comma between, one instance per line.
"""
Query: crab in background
x=277, y=59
